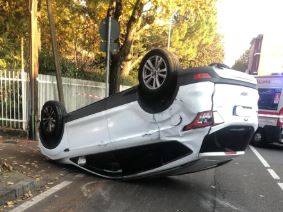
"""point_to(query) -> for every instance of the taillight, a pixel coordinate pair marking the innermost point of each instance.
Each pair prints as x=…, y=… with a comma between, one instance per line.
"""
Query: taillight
x=280, y=119
x=203, y=119
x=200, y=76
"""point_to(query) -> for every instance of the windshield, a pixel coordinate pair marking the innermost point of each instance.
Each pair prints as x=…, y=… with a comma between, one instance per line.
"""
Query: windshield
x=269, y=98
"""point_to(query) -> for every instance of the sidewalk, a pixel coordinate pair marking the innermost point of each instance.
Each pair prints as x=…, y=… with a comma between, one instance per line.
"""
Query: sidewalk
x=26, y=171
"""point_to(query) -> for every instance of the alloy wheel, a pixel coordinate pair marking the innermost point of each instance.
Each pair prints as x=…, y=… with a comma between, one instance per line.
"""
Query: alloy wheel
x=154, y=72
x=49, y=119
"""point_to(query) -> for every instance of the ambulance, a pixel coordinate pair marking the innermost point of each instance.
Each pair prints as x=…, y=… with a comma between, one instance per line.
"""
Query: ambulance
x=270, y=110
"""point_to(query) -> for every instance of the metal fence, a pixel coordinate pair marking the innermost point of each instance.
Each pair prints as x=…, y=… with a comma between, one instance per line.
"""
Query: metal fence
x=14, y=93
x=77, y=93
x=13, y=90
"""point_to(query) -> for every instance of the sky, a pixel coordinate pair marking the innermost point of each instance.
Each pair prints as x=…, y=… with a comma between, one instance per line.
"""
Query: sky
x=241, y=20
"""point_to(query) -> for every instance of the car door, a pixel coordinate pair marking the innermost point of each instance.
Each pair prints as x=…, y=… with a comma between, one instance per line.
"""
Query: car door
x=129, y=125
x=87, y=129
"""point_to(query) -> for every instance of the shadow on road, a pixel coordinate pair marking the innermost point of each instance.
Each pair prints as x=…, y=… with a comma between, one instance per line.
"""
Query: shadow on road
x=277, y=147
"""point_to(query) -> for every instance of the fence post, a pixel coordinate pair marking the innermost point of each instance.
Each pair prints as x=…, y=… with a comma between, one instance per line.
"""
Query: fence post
x=2, y=98
x=24, y=99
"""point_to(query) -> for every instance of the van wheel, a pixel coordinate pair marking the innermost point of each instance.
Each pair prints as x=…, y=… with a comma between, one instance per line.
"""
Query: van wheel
x=158, y=79
x=258, y=138
x=51, y=127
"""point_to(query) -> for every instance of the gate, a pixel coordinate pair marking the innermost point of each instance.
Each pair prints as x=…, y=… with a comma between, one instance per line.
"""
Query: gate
x=13, y=107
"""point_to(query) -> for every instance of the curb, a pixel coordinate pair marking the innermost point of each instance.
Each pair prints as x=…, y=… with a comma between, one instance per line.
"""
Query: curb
x=17, y=190
x=13, y=133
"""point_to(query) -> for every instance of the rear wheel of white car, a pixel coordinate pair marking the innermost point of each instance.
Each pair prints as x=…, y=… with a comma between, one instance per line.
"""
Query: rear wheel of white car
x=52, y=124
x=158, y=79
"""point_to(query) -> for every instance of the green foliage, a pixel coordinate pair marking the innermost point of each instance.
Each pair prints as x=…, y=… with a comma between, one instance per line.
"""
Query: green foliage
x=242, y=63
x=13, y=26
x=194, y=34
x=69, y=69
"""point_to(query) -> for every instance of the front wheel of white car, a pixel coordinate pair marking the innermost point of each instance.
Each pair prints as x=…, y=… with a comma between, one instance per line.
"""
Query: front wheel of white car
x=51, y=127
x=158, y=79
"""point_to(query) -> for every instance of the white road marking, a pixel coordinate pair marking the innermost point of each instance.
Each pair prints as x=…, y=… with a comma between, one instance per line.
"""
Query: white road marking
x=262, y=160
x=280, y=185
x=271, y=171
x=273, y=174
x=223, y=203
x=40, y=197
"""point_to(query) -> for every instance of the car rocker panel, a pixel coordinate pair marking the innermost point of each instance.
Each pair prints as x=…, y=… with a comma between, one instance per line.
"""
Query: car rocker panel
x=175, y=122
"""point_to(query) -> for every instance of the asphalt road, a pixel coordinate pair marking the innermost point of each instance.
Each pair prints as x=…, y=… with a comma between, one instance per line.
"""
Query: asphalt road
x=244, y=184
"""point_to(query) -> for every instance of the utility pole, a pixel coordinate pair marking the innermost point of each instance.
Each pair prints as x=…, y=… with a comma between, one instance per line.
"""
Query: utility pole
x=55, y=51
x=169, y=34
x=108, y=57
x=33, y=66
x=171, y=21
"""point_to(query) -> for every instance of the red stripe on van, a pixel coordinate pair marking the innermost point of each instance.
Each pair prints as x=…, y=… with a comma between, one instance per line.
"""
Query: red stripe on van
x=268, y=113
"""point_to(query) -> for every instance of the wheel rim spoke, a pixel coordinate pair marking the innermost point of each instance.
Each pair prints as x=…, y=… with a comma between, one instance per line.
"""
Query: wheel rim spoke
x=146, y=76
x=154, y=83
x=148, y=68
x=158, y=62
x=157, y=81
x=150, y=65
x=162, y=75
x=148, y=80
x=162, y=70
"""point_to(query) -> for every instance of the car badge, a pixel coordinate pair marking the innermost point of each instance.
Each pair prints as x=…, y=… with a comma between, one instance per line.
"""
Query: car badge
x=244, y=93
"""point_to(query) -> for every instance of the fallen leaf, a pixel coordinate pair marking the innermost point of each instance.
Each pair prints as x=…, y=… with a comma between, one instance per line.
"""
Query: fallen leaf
x=10, y=204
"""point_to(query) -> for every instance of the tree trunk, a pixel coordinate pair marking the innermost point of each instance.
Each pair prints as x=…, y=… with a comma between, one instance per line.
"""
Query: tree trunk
x=118, y=60
x=33, y=66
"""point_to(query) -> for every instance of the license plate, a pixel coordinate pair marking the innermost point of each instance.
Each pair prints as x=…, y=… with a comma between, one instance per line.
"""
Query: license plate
x=242, y=111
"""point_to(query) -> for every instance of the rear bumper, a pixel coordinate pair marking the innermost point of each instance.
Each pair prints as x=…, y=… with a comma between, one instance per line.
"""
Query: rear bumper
x=204, y=162
x=211, y=160
x=218, y=148
x=229, y=139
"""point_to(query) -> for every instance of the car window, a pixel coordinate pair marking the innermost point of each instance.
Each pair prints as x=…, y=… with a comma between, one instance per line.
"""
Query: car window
x=269, y=98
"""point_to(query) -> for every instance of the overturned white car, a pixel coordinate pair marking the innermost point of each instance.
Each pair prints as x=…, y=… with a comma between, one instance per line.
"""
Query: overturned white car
x=174, y=122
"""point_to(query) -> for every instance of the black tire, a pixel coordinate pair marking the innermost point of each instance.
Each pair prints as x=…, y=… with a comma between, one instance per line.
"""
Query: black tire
x=51, y=127
x=258, y=139
x=156, y=97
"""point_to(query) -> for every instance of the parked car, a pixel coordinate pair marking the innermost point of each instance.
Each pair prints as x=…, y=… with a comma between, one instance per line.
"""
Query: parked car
x=174, y=122
x=270, y=114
